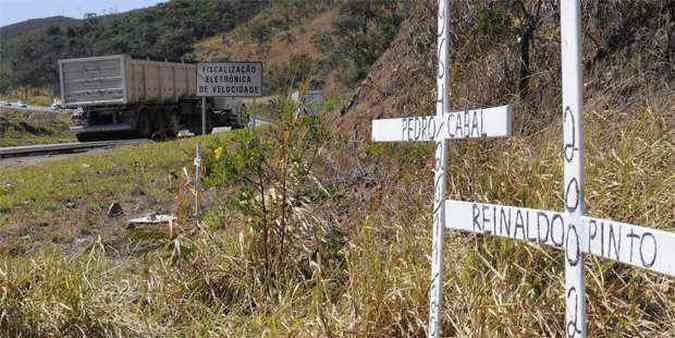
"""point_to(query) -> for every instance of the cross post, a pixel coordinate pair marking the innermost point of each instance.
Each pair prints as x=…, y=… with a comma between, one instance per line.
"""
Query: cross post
x=444, y=126
x=573, y=153
x=440, y=128
x=440, y=173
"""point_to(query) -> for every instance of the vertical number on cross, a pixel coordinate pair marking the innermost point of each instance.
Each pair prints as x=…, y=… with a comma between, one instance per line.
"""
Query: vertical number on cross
x=573, y=154
x=435, y=294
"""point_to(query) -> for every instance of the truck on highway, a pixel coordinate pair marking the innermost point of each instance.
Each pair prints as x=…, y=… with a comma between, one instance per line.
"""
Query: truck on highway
x=117, y=96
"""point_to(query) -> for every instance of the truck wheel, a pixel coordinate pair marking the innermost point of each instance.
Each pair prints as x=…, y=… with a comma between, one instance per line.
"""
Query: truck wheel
x=144, y=124
x=165, y=123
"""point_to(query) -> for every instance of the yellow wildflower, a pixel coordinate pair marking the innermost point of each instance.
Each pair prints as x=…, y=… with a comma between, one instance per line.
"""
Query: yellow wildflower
x=218, y=152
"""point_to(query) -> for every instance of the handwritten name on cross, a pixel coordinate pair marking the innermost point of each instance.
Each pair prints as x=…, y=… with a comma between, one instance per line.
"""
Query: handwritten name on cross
x=489, y=122
x=468, y=124
x=630, y=244
x=571, y=231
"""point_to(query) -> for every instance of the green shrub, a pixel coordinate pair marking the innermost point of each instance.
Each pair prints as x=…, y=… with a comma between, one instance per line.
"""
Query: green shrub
x=492, y=21
x=271, y=174
x=300, y=68
x=363, y=31
x=323, y=42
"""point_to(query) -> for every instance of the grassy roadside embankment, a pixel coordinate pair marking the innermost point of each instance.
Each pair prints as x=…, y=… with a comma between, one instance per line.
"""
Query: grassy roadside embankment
x=311, y=234
x=40, y=99
x=58, y=202
x=25, y=128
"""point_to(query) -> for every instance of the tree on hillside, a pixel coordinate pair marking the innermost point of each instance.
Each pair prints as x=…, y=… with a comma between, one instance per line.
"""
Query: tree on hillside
x=516, y=23
x=363, y=31
x=530, y=19
x=166, y=31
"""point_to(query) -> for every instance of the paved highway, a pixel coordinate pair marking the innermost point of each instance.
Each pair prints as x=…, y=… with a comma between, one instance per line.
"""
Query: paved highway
x=28, y=155
x=64, y=147
x=32, y=109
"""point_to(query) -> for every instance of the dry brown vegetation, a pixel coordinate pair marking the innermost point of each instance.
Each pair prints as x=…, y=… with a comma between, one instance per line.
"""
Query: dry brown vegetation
x=355, y=263
x=627, y=49
x=281, y=44
x=295, y=40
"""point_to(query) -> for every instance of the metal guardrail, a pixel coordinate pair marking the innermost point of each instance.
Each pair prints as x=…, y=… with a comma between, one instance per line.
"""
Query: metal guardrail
x=23, y=151
x=34, y=109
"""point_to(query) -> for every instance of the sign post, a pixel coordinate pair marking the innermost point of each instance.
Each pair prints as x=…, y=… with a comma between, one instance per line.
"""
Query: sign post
x=203, y=115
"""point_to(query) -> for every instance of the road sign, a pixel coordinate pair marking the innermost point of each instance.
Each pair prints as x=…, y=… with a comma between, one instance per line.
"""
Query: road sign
x=235, y=79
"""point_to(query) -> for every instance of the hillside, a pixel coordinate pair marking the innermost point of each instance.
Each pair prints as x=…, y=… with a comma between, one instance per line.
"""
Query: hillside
x=165, y=31
x=274, y=53
x=13, y=31
x=627, y=51
x=330, y=44
x=20, y=129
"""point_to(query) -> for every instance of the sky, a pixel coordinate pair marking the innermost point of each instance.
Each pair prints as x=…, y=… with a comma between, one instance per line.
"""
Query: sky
x=13, y=11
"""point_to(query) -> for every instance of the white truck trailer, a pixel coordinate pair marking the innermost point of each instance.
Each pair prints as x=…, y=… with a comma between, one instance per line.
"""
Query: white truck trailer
x=117, y=96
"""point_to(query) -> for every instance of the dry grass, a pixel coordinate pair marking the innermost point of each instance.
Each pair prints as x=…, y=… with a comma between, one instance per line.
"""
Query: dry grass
x=517, y=288
x=239, y=45
x=32, y=96
x=204, y=282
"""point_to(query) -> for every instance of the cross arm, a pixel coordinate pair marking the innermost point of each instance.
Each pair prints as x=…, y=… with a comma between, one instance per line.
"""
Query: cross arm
x=635, y=245
x=479, y=123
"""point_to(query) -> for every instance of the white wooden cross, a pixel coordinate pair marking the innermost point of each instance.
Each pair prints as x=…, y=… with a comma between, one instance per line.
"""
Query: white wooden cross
x=444, y=126
x=571, y=231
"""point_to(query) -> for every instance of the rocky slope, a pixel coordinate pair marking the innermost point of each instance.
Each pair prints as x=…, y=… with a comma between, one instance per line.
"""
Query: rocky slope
x=627, y=49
